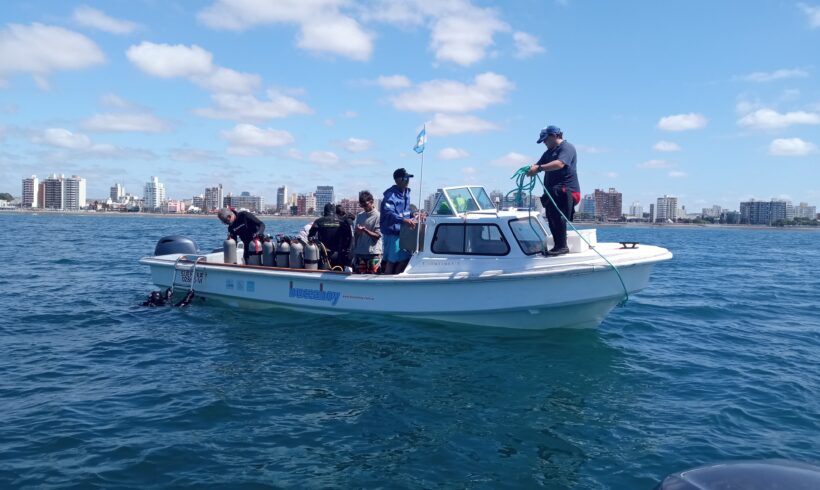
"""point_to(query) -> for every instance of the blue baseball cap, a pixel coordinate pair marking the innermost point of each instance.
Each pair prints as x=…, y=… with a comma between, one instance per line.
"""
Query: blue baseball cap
x=546, y=132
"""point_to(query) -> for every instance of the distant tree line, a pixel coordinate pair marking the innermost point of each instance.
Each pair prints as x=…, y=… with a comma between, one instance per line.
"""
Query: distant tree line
x=5, y=196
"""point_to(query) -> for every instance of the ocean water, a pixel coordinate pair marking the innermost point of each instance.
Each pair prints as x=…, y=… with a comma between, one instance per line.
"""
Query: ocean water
x=718, y=359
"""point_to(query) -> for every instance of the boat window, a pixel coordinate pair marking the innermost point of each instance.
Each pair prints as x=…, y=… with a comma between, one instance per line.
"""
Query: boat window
x=469, y=239
x=462, y=199
x=484, y=201
x=442, y=208
x=531, y=241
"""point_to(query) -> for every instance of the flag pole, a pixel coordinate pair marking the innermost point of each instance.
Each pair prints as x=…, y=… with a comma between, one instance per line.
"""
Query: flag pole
x=421, y=181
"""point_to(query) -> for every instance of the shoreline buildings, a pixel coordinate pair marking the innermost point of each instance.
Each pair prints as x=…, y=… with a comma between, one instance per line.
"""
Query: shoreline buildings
x=154, y=194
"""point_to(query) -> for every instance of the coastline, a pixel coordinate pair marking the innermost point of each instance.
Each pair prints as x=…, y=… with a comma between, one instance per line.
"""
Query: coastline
x=579, y=224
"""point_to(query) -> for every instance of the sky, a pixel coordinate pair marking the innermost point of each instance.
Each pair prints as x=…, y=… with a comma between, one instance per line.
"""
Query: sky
x=712, y=102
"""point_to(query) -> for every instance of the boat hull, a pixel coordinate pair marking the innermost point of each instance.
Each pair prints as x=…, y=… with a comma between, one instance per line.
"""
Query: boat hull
x=579, y=298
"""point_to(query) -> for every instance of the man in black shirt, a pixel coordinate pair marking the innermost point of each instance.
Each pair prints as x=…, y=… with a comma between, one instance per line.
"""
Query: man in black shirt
x=334, y=234
x=561, y=182
x=243, y=225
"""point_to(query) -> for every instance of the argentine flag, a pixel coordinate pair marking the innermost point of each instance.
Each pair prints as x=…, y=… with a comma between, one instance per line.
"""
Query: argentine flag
x=421, y=140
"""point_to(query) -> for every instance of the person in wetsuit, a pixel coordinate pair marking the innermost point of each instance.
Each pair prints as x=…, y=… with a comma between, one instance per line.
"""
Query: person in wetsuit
x=335, y=235
x=242, y=225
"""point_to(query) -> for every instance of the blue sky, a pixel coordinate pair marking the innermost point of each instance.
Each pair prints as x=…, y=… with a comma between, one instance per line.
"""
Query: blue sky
x=714, y=102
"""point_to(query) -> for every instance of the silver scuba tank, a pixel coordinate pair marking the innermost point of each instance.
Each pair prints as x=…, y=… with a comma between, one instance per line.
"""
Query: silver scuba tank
x=282, y=252
x=296, y=258
x=311, y=256
x=229, y=251
x=268, y=253
x=254, y=252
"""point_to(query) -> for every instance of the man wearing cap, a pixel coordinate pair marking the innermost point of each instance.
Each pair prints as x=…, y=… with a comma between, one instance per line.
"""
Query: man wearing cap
x=395, y=210
x=561, y=183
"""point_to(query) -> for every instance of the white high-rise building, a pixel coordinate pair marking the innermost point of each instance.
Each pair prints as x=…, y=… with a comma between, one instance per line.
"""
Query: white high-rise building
x=805, y=211
x=64, y=193
x=154, y=194
x=636, y=210
x=117, y=192
x=31, y=188
x=214, y=198
x=281, y=198
x=666, y=209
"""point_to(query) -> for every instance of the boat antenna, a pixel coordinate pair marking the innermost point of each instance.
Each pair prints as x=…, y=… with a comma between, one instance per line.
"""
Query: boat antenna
x=421, y=142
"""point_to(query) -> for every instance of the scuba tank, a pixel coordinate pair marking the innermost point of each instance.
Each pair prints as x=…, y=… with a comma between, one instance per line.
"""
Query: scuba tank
x=296, y=258
x=268, y=252
x=282, y=252
x=254, y=252
x=311, y=255
x=229, y=251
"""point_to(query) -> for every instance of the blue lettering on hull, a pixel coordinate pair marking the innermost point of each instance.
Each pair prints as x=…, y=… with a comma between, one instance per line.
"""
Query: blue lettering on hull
x=331, y=297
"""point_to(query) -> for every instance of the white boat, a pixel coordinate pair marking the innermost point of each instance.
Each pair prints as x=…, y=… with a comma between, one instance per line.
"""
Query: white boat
x=477, y=266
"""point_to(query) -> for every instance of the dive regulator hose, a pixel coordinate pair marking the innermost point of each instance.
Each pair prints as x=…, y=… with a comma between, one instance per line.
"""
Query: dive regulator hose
x=523, y=185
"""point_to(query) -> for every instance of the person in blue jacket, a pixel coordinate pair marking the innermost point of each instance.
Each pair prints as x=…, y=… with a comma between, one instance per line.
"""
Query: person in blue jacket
x=395, y=210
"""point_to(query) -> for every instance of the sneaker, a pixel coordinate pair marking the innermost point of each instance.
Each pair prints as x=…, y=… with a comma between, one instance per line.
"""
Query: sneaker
x=558, y=251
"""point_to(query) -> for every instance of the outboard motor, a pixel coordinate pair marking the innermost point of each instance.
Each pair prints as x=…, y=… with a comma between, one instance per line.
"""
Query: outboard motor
x=229, y=251
x=296, y=257
x=283, y=252
x=254, y=252
x=311, y=256
x=175, y=244
x=268, y=252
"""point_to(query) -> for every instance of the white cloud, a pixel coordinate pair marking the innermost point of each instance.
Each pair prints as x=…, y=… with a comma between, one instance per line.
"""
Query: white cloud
x=677, y=174
x=225, y=80
x=350, y=114
x=191, y=62
x=170, y=61
x=250, y=140
x=113, y=100
x=323, y=157
x=526, y=45
x=357, y=145
x=513, y=160
x=446, y=124
x=793, y=147
x=655, y=164
x=136, y=122
x=248, y=108
x=322, y=25
x=91, y=17
x=682, y=122
x=451, y=96
x=393, y=81
x=812, y=14
x=41, y=49
x=464, y=34
x=611, y=175
x=666, y=146
x=771, y=119
x=452, y=154
x=782, y=74
x=63, y=138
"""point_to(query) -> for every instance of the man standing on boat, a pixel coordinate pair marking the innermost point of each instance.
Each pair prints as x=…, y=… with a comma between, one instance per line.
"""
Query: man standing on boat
x=243, y=225
x=561, y=183
x=395, y=210
x=368, y=248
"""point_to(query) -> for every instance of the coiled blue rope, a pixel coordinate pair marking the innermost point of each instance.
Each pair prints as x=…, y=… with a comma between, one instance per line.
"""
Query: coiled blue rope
x=526, y=186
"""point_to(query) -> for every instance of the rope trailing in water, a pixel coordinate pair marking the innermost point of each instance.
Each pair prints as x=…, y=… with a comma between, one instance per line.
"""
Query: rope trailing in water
x=525, y=186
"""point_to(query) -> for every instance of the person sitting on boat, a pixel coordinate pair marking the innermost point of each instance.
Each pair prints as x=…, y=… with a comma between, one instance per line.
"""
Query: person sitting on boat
x=333, y=235
x=561, y=183
x=242, y=225
x=395, y=210
x=367, y=251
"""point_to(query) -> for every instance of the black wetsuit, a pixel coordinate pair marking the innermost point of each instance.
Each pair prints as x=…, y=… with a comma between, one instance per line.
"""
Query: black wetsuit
x=245, y=227
x=336, y=235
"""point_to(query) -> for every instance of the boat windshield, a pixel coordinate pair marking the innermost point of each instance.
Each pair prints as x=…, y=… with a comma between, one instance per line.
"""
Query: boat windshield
x=457, y=200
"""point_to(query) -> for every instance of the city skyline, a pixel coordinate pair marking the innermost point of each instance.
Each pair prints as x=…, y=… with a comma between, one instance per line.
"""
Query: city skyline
x=195, y=95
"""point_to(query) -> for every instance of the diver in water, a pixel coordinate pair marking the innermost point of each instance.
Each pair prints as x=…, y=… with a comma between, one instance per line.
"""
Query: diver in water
x=243, y=225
